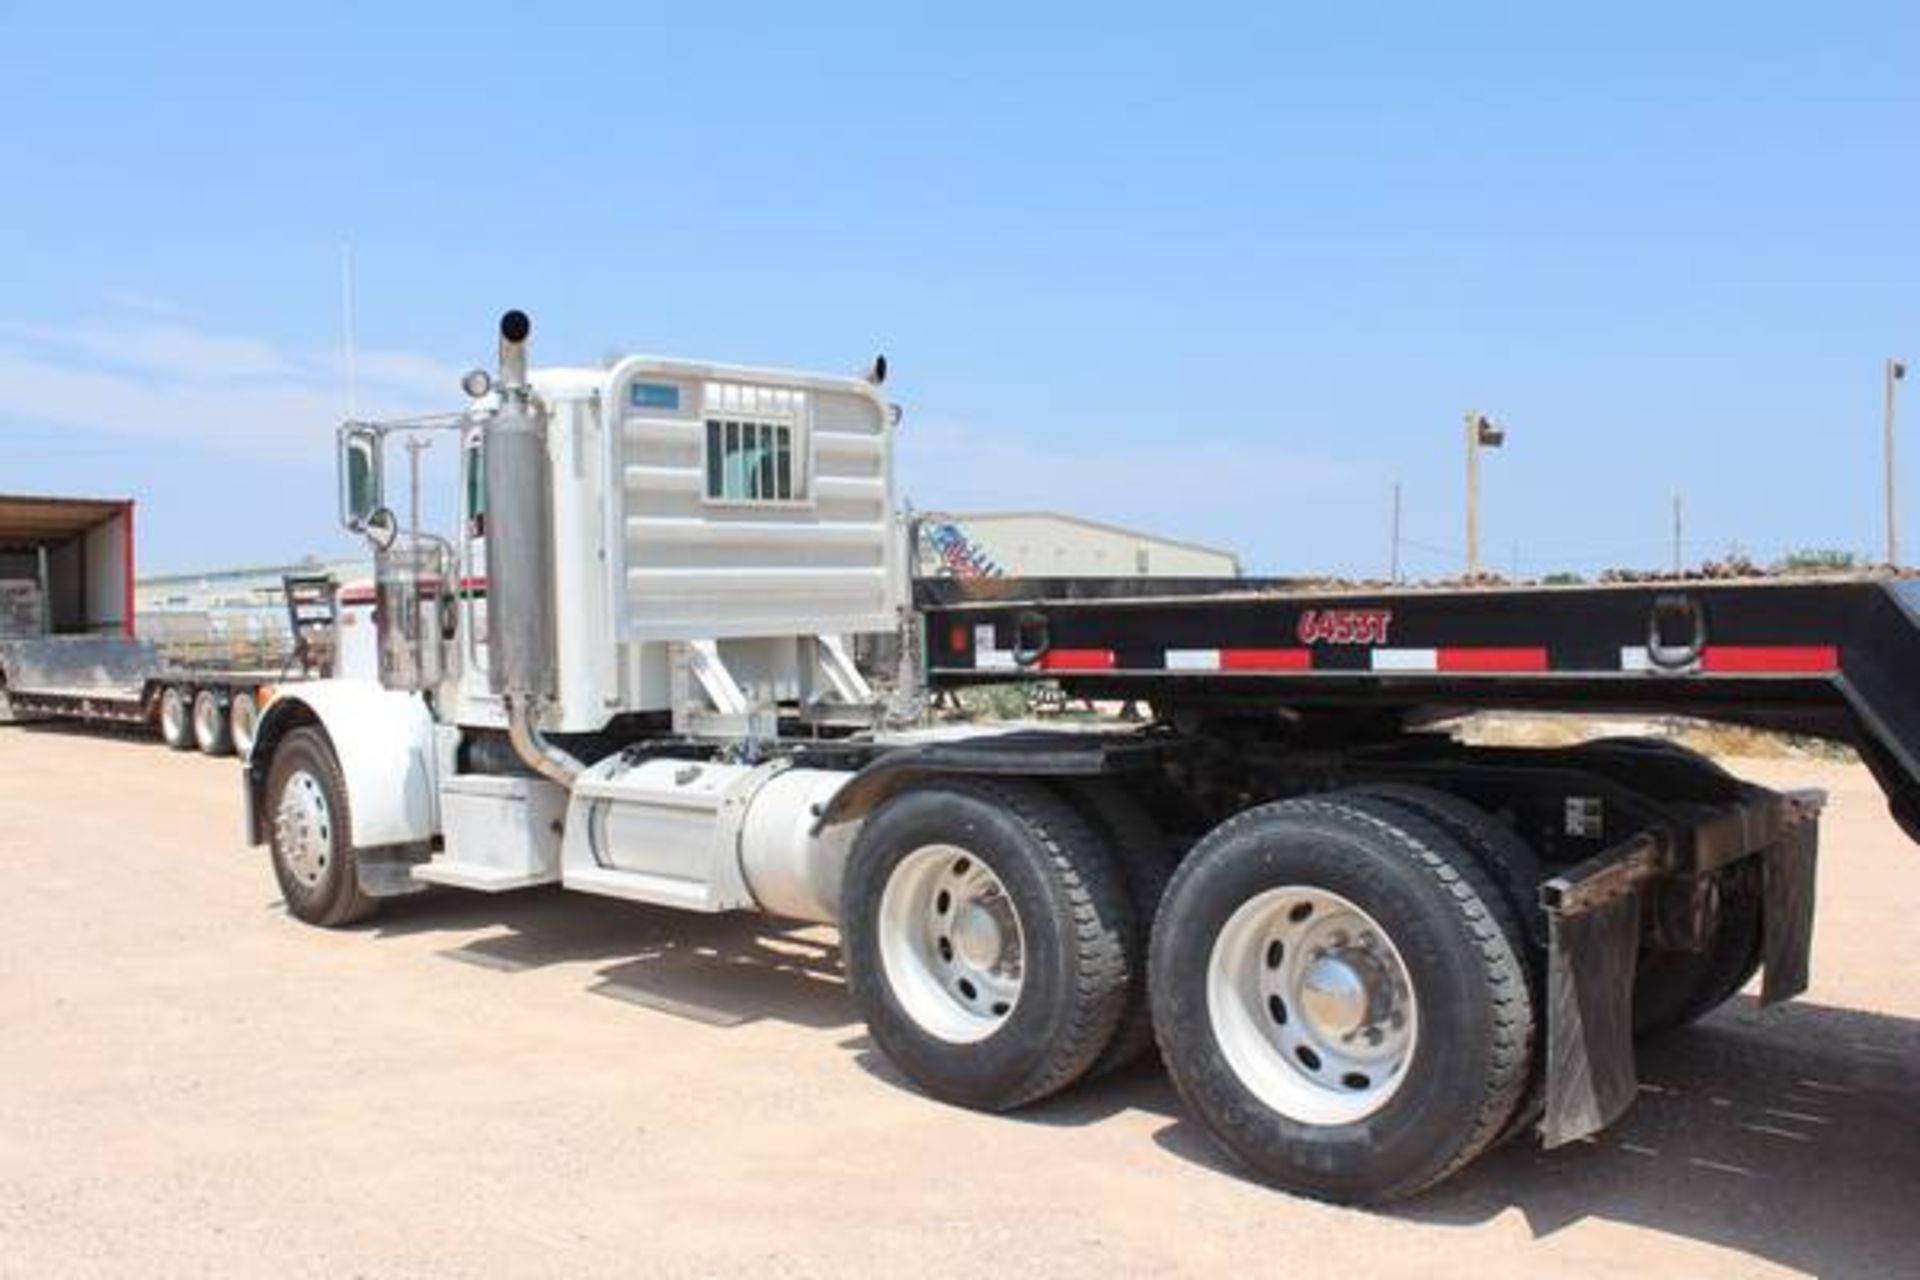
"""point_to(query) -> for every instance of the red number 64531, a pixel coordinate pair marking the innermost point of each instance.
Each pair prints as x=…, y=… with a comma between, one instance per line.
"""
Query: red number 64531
x=1344, y=626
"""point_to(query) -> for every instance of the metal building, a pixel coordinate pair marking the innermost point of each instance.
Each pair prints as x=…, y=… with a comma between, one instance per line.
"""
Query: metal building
x=1031, y=544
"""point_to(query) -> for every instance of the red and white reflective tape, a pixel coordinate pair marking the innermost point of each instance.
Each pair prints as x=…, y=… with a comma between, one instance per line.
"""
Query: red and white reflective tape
x=1464, y=659
x=1076, y=660
x=1746, y=659
x=1239, y=660
x=1441, y=660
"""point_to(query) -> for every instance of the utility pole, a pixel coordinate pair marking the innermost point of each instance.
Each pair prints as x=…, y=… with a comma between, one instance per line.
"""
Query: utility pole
x=1393, y=570
x=1895, y=371
x=1678, y=540
x=1482, y=432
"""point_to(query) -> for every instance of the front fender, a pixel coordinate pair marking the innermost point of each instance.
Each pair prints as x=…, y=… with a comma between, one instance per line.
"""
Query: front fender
x=384, y=742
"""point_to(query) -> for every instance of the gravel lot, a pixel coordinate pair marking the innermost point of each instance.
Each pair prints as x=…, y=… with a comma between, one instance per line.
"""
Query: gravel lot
x=545, y=1084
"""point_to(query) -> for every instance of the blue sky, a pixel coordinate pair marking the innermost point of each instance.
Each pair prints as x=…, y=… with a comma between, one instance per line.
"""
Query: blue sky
x=1223, y=271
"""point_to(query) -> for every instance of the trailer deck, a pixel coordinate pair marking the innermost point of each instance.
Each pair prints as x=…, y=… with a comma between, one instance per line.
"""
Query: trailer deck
x=1825, y=656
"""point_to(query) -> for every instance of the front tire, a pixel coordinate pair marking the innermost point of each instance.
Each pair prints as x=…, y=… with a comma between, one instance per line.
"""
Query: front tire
x=306, y=803
x=985, y=930
x=1339, y=997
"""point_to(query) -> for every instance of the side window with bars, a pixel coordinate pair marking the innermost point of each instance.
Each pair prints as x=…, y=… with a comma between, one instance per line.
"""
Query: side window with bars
x=751, y=461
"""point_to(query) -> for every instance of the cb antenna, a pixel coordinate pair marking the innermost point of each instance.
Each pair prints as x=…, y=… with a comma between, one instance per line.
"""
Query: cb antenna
x=346, y=328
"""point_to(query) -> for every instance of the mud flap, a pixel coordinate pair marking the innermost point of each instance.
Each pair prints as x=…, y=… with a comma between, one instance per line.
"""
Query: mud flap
x=1787, y=937
x=1591, y=955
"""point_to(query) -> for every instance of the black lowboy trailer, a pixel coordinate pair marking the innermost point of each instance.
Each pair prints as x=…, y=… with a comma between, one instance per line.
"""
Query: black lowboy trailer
x=1537, y=910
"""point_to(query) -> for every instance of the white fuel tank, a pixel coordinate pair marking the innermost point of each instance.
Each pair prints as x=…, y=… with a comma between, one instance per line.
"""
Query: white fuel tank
x=790, y=871
x=705, y=836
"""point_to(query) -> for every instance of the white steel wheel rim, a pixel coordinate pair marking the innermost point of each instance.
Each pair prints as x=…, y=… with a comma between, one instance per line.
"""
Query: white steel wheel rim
x=173, y=715
x=241, y=718
x=951, y=943
x=303, y=828
x=1311, y=1005
x=206, y=717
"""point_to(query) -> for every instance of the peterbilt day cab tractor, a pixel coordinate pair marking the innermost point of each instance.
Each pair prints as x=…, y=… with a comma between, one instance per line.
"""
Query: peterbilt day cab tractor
x=1365, y=951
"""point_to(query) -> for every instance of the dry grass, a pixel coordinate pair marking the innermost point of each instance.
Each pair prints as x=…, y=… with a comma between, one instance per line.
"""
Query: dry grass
x=1502, y=729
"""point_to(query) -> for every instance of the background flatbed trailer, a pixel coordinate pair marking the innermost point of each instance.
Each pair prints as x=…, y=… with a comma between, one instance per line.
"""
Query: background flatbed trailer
x=68, y=643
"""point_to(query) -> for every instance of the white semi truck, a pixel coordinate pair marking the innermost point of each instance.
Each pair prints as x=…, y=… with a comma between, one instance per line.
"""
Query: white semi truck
x=1367, y=952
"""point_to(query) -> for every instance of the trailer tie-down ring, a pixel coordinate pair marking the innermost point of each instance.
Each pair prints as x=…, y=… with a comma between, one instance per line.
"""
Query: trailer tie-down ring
x=1030, y=639
x=1676, y=616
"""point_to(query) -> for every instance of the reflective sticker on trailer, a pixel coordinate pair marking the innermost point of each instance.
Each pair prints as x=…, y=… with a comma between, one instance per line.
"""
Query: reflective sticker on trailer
x=1741, y=659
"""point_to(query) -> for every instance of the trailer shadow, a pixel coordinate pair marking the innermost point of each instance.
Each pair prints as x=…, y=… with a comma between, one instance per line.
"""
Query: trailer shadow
x=1791, y=1135
x=720, y=970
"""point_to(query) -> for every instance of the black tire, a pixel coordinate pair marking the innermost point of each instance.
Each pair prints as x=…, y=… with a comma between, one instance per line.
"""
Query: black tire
x=329, y=894
x=211, y=731
x=1074, y=920
x=175, y=714
x=1470, y=1062
x=1512, y=865
x=1673, y=989
x=1146, y=864
x=1507, y=859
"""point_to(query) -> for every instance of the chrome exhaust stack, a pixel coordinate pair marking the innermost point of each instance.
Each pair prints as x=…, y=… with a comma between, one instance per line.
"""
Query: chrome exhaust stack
x=520, y=605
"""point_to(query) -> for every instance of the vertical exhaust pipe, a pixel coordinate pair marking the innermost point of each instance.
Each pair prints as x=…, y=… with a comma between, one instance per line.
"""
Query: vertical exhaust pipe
x=520, y=606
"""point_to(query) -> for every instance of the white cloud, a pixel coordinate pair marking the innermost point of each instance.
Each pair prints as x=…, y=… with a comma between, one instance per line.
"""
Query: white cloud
x=147, y=303
x=171, y=349
x=233, y=393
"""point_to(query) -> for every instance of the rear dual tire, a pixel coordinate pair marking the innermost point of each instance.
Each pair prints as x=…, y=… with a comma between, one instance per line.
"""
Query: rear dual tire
x=1674, y=989
x=1342, y=997
x=989, y=940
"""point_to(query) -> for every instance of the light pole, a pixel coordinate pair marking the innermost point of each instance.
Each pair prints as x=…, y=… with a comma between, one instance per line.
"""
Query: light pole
x=1393, y=566
x=1895, y=371
x=1482, y=433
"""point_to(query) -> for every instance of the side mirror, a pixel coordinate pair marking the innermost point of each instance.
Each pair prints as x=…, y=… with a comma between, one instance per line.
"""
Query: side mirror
x=382, y=527
x=360, y=476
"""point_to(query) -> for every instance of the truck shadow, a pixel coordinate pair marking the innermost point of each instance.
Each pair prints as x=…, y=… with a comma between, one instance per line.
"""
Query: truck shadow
x=1791, y=1135
x=720, y=970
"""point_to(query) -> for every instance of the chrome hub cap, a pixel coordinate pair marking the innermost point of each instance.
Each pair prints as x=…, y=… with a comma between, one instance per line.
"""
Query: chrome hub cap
x=173, y=715
x=303, y=828
x=1311, y=1005
x=950, y=943
x=206, y=718
x=244, y=716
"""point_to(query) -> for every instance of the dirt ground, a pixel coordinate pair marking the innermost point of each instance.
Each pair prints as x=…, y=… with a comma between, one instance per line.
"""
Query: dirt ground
x=541, y=1084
